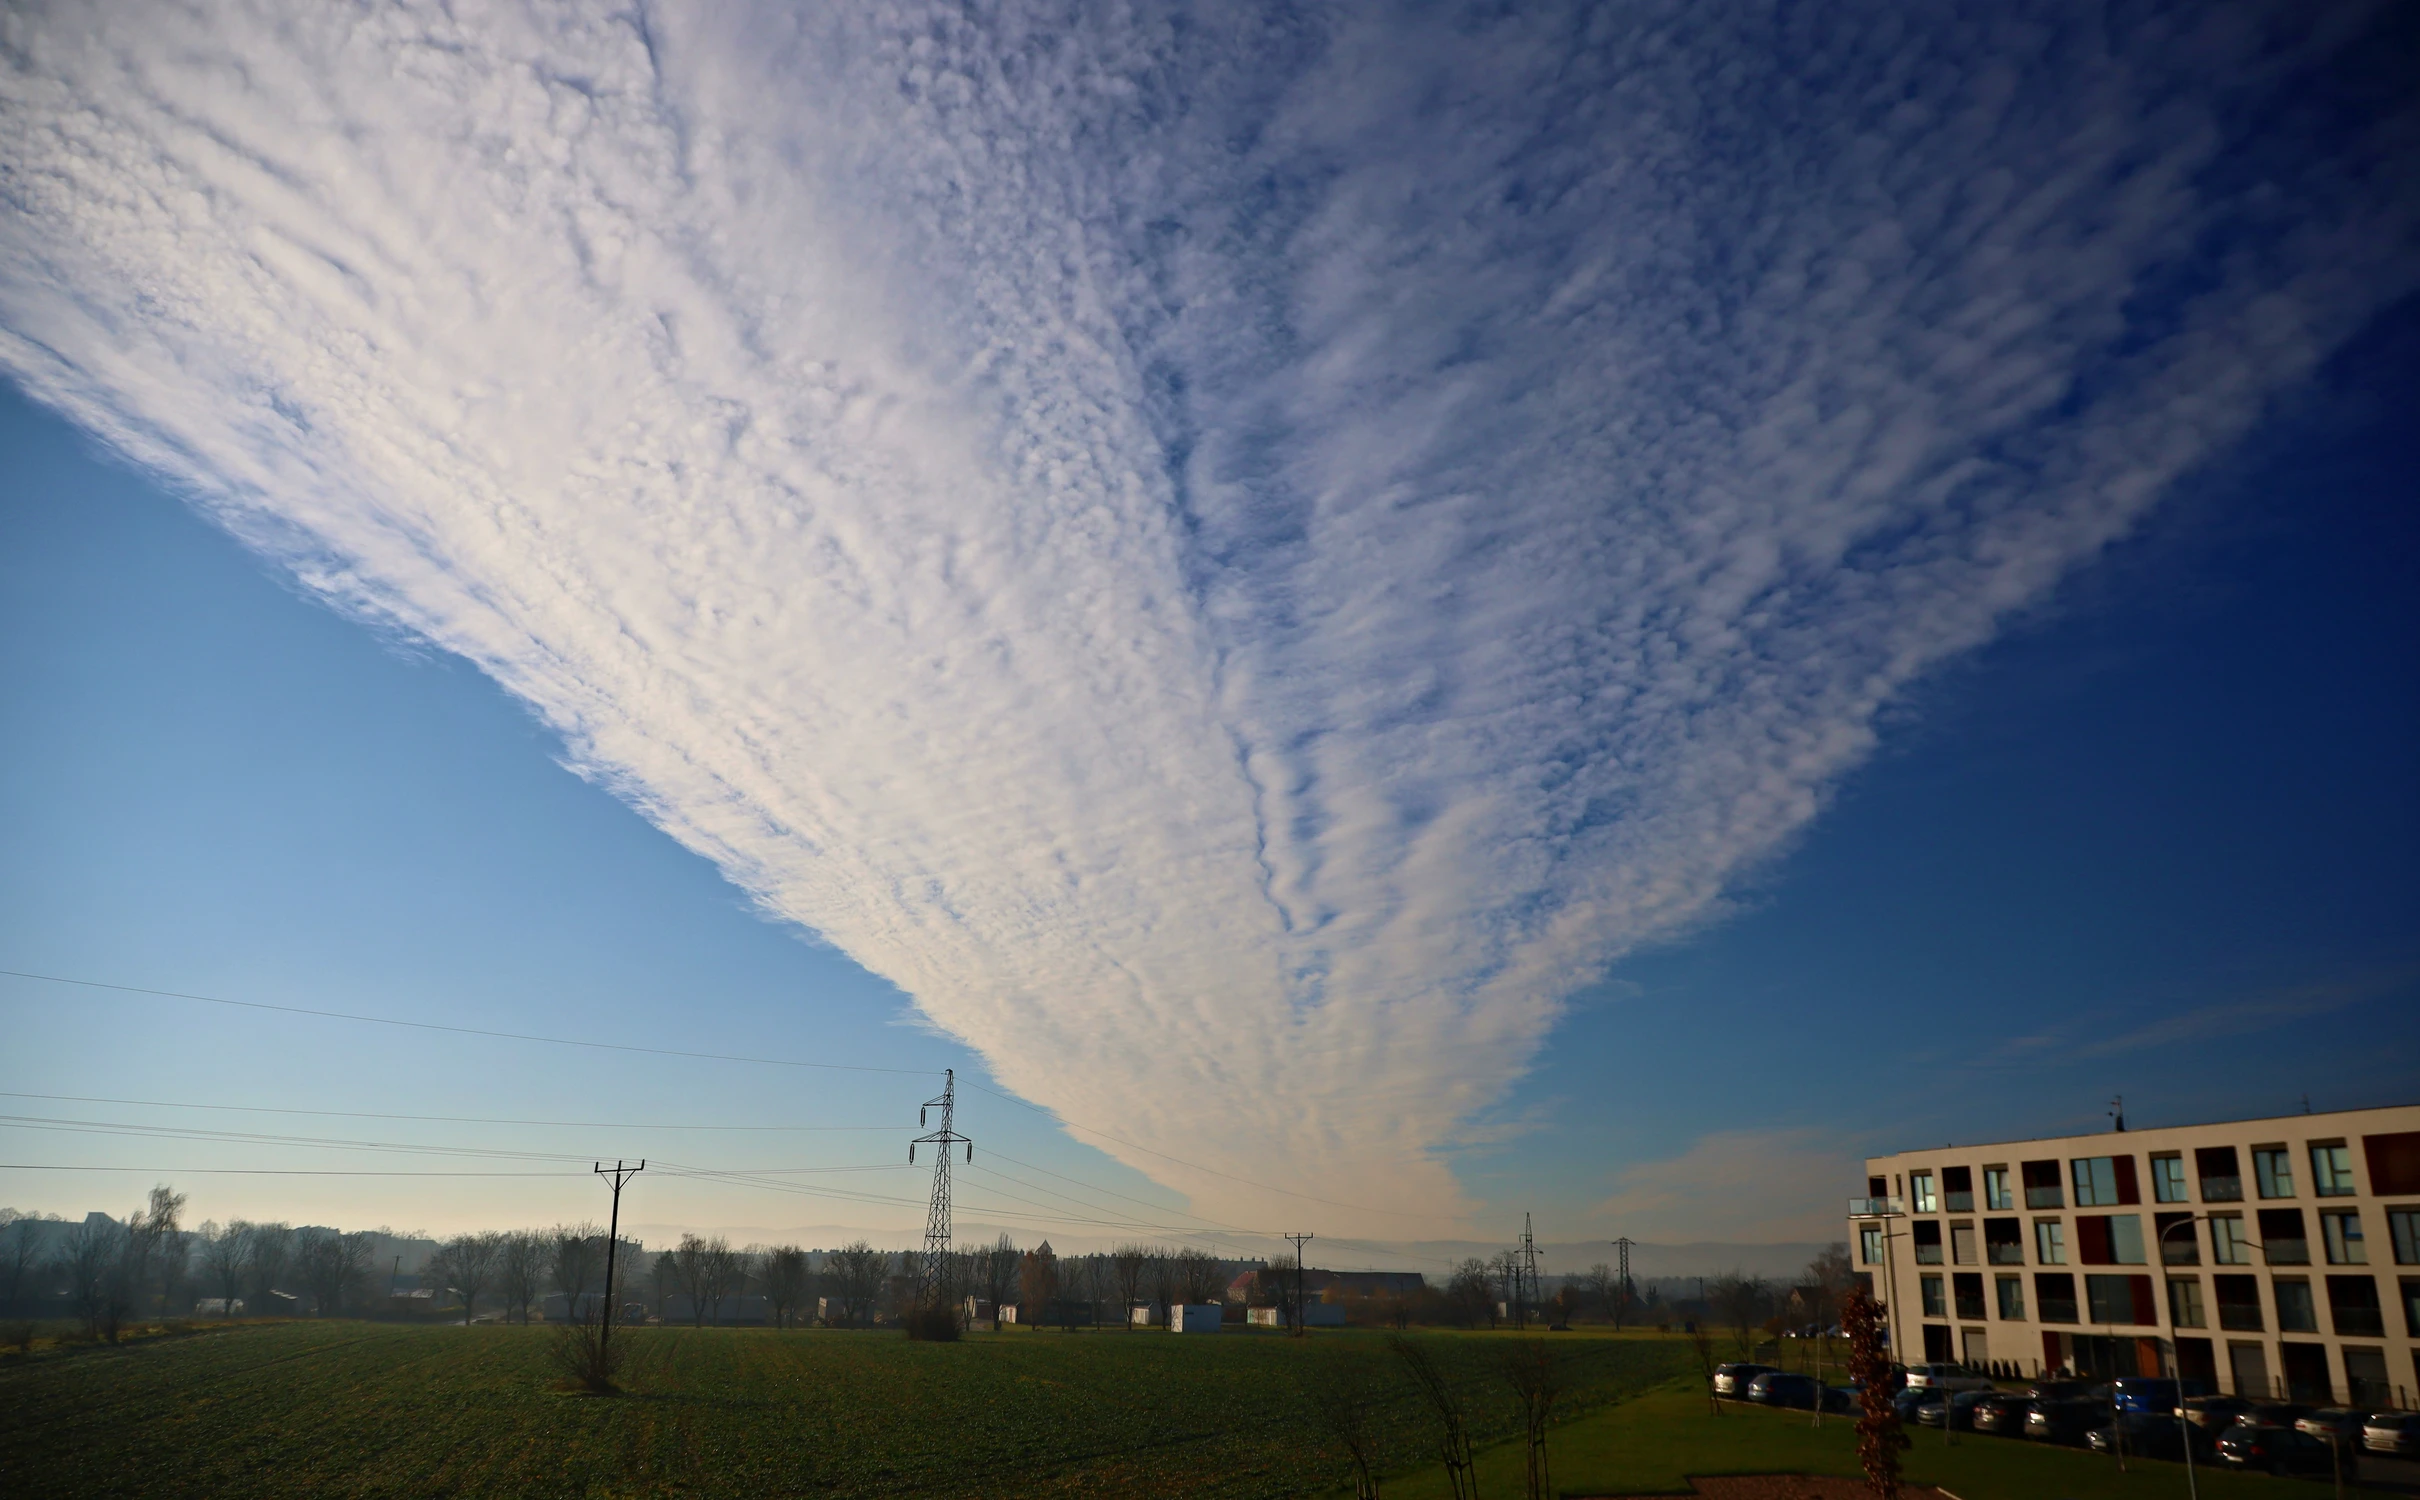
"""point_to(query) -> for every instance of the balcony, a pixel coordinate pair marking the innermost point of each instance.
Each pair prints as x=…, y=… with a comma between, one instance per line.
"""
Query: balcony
x=1877, y=1208
x=2058, y=1309
x=2222, y=1190
x=2045, y=1197
x=2288, y=1252
x=1960, y=1203
x=2006, y=1252
x=1929, y=1255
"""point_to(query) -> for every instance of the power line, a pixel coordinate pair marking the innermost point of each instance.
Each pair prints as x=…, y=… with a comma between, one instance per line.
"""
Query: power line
x=363, y=1114
x=53, y=1166
x=508, y=1036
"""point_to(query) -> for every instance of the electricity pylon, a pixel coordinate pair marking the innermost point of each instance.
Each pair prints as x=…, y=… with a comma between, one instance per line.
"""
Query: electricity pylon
x=930, y=1276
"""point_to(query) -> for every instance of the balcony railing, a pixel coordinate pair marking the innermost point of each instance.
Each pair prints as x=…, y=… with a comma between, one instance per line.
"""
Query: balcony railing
x=2179, y=1250
x=1877, y=1208
x=2239, y=1317
x=2045, y=1197
x=2057, y=1310
x=2222, y=1190
x=1929, y=1255
x=2288, y=1252
x=1961, y=1203
x=2360, y=1322
x=2007, y=1253
x=1971, y=1306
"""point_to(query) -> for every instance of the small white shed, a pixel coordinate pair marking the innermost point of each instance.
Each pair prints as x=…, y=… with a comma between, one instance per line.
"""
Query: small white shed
x=1196, y=1317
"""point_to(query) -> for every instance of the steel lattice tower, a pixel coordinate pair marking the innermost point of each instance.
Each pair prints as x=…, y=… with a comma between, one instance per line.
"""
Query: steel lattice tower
x=929, y=1273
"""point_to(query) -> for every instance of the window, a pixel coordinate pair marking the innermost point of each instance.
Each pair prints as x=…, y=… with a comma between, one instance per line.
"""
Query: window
x=1869, y=1244
x=2282, y=1238
x=2332, y=1171
x=2353, y=1307
x=1920, y=1188
x=1876, y=1187
x=1935, y=1308
x=2042, y=1185
x=2295, y=1312
x=1967, y=1287
x=2394, y=1162
x=1962, y=1245
x=2119, y=1299
x=1997, y=1195
x=2168, y=1179
x=2054, y=1294
x=2185, y=1302
x=2403, y=1226
x=2095, y=1181
x=2229, y=1245
x=1926, y=1233
x=2273, y=1169
x=2222, y=1179
x=1958, y=1186
x=2004, y=1242
x=2174, y=1232
x=2109, y=1239
x=2342, y=1233
x=2012, y=1299
x=2238, y=1299
x=2049, y=1244
x=2411, y=1307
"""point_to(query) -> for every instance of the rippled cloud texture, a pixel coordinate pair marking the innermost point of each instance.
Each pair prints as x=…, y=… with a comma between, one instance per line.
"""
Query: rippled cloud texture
x=1237, y=558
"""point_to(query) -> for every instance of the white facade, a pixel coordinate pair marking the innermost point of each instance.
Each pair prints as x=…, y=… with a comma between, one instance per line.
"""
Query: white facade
x=2272, y=1257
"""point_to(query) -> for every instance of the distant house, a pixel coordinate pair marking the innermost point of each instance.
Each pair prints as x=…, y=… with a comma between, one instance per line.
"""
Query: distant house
x=1260, y=1284
x=738, y=1310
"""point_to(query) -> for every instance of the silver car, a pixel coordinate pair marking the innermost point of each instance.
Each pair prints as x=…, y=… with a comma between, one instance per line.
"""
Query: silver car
x=2395, y=1432
x=1945, y=1377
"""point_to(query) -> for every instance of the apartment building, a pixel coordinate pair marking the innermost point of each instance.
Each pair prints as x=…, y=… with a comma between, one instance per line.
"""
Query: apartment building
x=2278, y=1257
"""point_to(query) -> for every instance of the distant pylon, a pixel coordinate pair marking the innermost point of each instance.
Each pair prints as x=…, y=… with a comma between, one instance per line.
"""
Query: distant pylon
x=1527, y=1286
x=1623, y=1293
x=931, y=1272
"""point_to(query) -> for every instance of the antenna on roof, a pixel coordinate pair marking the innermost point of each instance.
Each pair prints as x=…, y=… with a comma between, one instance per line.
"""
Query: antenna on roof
x=2117, y=1112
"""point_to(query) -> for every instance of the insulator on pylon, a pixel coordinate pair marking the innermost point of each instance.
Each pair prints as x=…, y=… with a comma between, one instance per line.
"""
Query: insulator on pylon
x=970, y=1150
x=911, y=1153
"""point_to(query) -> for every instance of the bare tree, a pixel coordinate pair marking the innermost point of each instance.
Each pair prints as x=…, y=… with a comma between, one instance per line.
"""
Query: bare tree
x=89, y=1260
x=724, y=1271
x=575, y=1262
x=1128, y=1261
x=857, y=1273
x=1198, y=1276
x=1470, y=1293
x=1740, y=1301
x=1445, y=1405
x=268, y=1259
x=1603, y=1290
x=226, y=1251
x=1000, y=1272
x=1345, y=1404
x=1701, y=1344
x=785, y=1282
x=467, y=1264
x=1038, y=1282
x=152, y=1239
x=521, y=1269
x=20, y=1250
x=1530, y=1369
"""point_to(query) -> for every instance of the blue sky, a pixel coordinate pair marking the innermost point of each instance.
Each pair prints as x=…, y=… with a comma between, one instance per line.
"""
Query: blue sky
x=1521, y=612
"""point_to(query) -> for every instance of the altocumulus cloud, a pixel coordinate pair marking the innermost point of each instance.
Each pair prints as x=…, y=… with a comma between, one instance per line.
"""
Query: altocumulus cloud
x=1235, y=556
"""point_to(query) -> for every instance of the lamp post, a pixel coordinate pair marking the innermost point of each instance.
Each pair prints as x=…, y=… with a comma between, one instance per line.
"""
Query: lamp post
x=2184, y=1429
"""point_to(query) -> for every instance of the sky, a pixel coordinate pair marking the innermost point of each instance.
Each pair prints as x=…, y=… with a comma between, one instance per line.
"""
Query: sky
x=1370, y=621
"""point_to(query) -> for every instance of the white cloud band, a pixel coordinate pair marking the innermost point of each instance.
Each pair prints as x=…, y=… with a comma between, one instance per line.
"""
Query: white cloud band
x=1237, y=561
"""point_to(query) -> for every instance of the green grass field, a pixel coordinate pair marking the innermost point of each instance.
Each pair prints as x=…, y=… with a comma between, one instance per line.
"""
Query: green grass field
x=342, y=1408
x=347, y=1409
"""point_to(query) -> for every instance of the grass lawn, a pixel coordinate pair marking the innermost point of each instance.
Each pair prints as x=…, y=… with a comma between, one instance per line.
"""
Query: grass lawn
x=1651, y=1445
x=342, y=1408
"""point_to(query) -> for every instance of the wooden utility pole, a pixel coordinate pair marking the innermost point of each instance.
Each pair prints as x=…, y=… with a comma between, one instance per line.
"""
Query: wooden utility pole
x=1299, y=1241
x=617, y=1174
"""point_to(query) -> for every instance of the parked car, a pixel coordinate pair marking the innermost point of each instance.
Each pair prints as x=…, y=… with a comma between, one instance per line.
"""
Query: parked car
x=1947, y=1378
x=2141, y=1393
x=2334, y=1424
x=2395, y=1432
x=2002, y=1412
x=2147, y=1434
x=1912, y=1400
x=1841, y=1398
x=2211, y=1416
x=2067, y=1419
x=2274, y=1447
x=1781, y=1388
x=1958, y=1411
x=1732, y=1380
